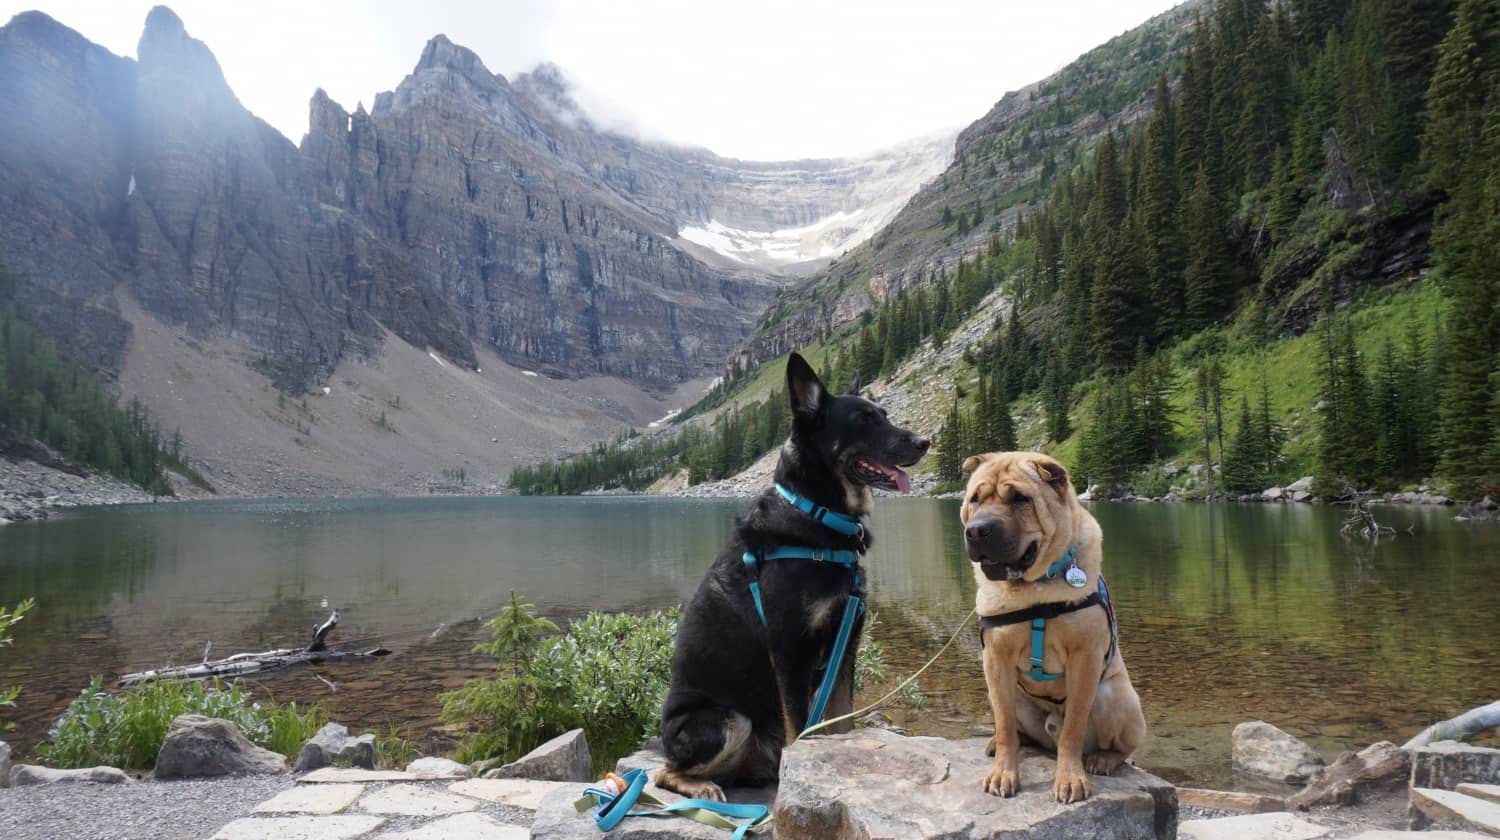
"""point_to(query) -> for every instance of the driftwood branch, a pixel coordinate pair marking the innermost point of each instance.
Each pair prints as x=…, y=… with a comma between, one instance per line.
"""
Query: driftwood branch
x=241, y=664
x=1469, y=723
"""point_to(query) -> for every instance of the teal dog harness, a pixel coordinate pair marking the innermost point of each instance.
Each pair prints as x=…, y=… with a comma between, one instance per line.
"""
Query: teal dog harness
x=1039, y=614
x=840, y=523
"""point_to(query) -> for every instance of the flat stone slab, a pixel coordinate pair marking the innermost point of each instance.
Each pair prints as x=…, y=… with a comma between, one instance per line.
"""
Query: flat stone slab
x=1419, y=835
x=462, y=827
x=873, y=783
x=526, y=794
x=1489, y=792
x=338, y=775
x=1278, y=826
x=413, y=801
x=1453, y=807
x=1447, y=764
x=298, y=828
x=1229, y=800
x=312, y=799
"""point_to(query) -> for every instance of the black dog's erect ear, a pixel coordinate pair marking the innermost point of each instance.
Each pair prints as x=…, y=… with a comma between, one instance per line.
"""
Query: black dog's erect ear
x=803, y=387
x=853, y=385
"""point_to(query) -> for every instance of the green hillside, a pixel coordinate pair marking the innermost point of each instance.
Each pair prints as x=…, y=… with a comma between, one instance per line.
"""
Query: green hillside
x=1287, y=268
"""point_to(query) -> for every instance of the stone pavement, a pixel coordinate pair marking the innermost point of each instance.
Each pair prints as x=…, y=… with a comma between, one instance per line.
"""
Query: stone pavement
x=342, y=803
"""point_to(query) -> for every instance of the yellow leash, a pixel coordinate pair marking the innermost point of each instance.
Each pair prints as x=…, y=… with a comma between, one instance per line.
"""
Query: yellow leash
x=897, y=690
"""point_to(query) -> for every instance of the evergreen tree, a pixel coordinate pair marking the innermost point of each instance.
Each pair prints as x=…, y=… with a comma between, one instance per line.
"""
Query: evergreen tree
x=1159, y=228
x=951, y=442
x=1208, y=281
x=1244, y=462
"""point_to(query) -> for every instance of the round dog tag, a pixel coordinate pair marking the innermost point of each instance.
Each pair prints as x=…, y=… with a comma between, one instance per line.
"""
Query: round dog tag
x=1076, y=577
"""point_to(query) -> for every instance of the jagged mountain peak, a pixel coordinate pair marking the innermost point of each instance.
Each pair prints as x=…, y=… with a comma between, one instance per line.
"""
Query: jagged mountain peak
x=167, y=51
x=161, y=21
x=441, y=53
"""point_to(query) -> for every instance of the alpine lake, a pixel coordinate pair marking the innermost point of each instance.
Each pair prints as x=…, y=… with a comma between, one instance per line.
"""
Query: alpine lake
x=1227, y=612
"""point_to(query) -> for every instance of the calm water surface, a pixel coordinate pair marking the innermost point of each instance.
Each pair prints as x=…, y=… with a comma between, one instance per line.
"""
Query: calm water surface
x=1227, y=613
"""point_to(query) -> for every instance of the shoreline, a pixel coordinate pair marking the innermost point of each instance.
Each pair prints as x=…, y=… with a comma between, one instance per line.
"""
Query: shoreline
x=30, y=491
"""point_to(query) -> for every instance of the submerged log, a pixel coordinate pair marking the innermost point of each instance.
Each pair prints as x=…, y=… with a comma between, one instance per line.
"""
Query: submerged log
x=241, y=664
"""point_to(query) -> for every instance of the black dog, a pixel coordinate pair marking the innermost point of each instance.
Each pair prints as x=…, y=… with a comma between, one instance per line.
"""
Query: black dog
x=743, y=683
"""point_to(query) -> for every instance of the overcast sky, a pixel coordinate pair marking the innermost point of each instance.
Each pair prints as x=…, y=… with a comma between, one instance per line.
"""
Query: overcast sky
x=765, y=79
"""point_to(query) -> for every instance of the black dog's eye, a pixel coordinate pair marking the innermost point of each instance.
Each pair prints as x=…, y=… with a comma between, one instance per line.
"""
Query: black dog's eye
x=867, y=416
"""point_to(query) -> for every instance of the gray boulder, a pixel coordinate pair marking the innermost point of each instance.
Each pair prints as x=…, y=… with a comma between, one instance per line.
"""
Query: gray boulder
x=1447, y=764
x=31, y=774
x=332, y=744
x=874, y=783
x=4, y=764
x=1301, y=485
x=1260, y=749
x=1273, y=494
x=563, y=759
x=204, y=746
x=445, y=768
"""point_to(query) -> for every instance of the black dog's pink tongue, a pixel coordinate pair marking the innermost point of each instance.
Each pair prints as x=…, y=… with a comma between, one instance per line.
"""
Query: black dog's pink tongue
x=903, y=482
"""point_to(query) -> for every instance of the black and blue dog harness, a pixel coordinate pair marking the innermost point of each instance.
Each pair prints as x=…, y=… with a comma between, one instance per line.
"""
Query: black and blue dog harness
x=1039, y=614
x=849, y=526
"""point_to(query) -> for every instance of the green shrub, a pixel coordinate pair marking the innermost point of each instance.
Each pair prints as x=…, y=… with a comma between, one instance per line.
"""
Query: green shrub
x=8, y=618
x=609, y=674
x=127, y=730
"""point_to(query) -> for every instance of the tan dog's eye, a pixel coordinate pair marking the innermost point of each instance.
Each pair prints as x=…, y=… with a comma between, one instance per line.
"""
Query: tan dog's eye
x=1017, y=499
x=974, y=499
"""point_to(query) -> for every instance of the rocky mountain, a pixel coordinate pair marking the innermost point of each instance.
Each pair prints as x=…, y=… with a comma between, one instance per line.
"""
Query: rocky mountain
x=482, y=220
x=463, y=208
x=1003, y=163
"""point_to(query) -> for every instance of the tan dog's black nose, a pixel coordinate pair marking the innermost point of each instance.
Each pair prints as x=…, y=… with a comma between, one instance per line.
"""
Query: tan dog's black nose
x=979, y=530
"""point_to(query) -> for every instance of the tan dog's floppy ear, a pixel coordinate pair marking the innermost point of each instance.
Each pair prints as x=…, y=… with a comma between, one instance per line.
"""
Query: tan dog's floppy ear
x=1053, y=473
x=972, y=462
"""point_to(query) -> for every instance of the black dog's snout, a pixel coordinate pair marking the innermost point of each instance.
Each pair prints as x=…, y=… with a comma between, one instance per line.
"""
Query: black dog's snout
x=979, y=530
x=920, y=443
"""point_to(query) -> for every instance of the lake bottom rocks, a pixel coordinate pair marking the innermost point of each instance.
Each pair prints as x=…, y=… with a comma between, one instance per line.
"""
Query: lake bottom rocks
x=1263, y=750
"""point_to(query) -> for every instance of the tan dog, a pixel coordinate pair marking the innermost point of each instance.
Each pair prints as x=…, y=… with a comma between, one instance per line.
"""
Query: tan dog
x=1021, y=518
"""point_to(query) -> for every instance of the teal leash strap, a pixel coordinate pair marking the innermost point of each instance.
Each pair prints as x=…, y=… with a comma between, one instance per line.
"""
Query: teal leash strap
x=612, y=808
x=852, y=608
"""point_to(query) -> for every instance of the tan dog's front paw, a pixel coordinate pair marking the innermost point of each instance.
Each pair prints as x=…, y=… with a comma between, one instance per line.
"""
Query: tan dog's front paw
x=1003, y=781
x=1071, y=786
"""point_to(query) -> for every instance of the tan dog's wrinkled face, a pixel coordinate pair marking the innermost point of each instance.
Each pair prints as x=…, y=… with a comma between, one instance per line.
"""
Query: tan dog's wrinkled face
x=1017, y=511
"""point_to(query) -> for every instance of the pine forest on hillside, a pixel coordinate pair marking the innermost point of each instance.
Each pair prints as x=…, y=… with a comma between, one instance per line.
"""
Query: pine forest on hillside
x=49, y=397
x=1168, y=291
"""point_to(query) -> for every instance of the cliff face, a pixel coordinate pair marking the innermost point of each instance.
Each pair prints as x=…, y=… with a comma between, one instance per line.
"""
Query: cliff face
x=461, y=211
x=1002, y=164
